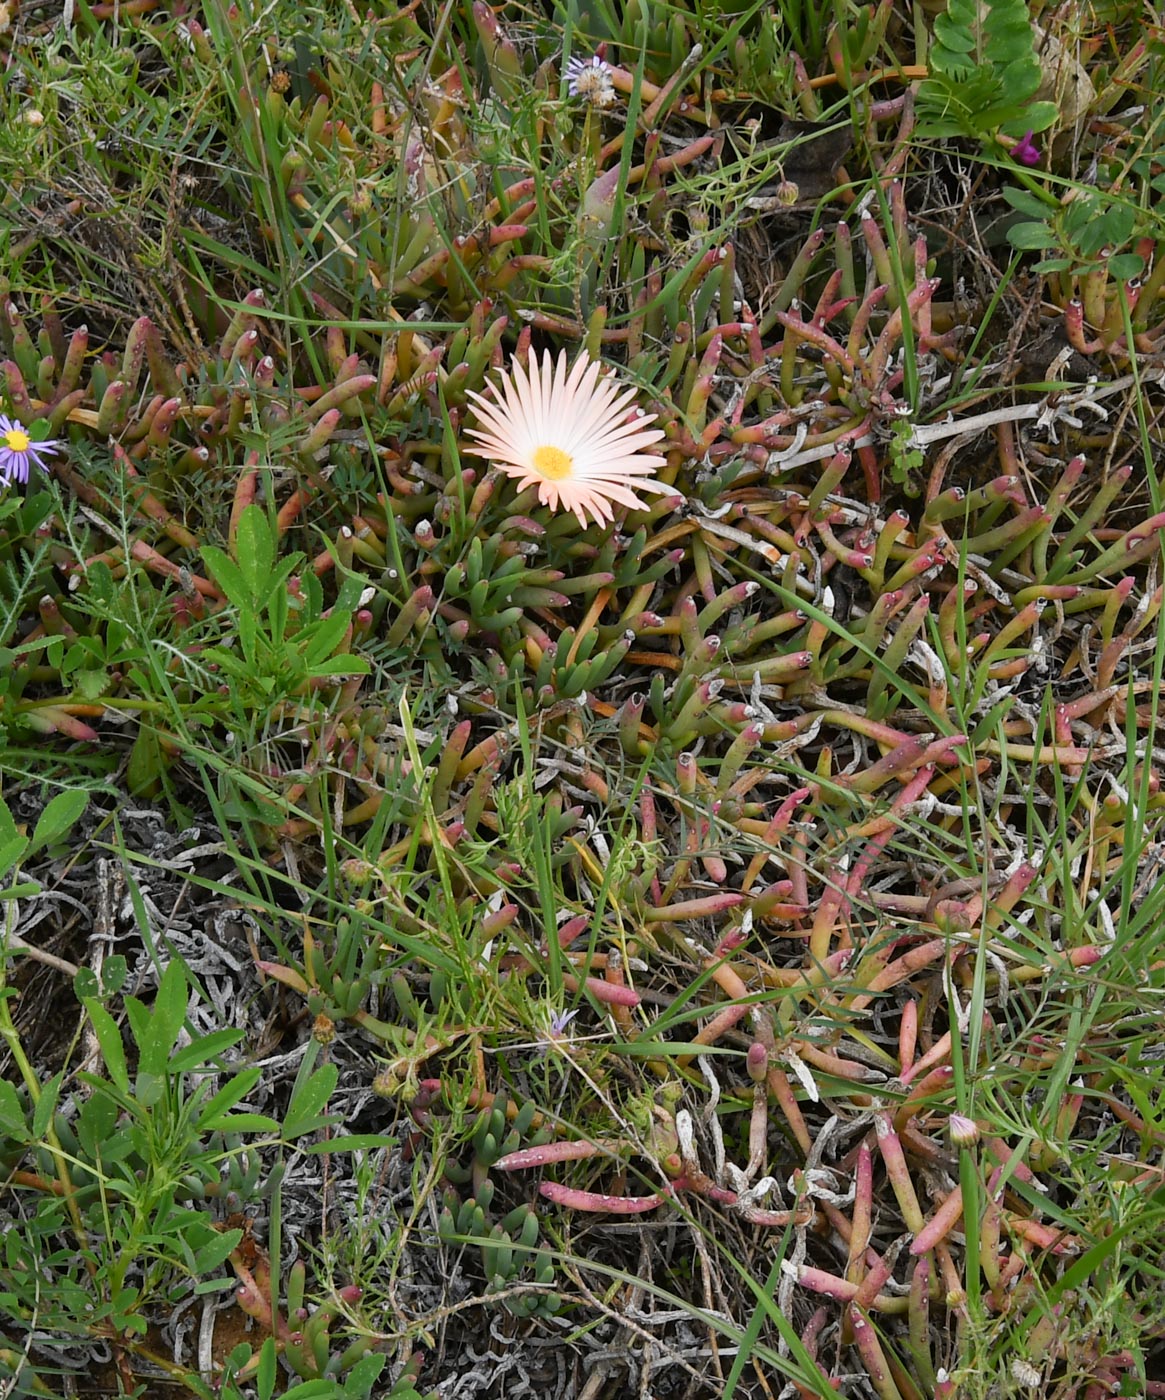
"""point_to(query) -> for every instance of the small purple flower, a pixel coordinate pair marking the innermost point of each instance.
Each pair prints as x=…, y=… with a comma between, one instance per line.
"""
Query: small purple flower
x=590, y=80
x=555, y=1036
x=559, y=1020
x=18, y=451
x=1026, y=151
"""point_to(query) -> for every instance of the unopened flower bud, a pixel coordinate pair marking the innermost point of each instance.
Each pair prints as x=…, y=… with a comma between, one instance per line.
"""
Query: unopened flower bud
x=964, y=1131
x=758, y=1062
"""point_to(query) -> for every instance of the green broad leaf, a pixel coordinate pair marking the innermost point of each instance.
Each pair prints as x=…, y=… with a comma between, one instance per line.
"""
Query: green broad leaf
x=305, y=1111
x=1026, y=202
x=12, y=1121
x=1125, y=266
x=255, y=551
x=1091, y=240
x=1009, y=51
x=92, y=685
x=952, y=36
x=940, y=128
x=203, y=1051
x=266, y=1372
x=244, y=1123
x=37, y=508
x=357, y=1142
x=146, y=762
x=1117, y=225
x=341, y=666
x=228, y=662
x=348, y=597
x=126, y=1298
x=11, y=852
x=248, y=625
x=364, y=1375
x=46, y=1105
x=989, y=117
x=137, y=1013
x=1021, y=80
x=148, y=1088
x=312, y=596
x=227, y=575
x=59, y=817
x=109, y=1040
x=157, y=1030
x=1053, y=265
x=1029, y=237
x=21, y=890
x=215, y=1251
x=7, y=823
x=236, y=1088
x=96, y=1128
x=106, y=1087
x=113, y=974
x=319, y=641
x=278, y=608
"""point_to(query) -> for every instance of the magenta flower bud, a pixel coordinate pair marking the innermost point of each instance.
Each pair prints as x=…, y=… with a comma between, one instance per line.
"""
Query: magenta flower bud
x=1026, y=151
x=758, y=1062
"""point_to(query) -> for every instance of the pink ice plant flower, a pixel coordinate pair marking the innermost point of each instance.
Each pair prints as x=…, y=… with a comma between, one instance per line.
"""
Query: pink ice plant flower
x=573, y=434
x=18, y=452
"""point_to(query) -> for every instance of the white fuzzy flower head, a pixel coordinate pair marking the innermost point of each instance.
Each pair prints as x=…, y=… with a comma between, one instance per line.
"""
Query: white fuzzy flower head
x=572, y=434
x=590, y=80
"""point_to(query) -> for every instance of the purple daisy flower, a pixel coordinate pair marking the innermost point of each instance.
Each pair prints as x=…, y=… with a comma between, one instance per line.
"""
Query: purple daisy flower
x=1026, y=151
x=18, y=452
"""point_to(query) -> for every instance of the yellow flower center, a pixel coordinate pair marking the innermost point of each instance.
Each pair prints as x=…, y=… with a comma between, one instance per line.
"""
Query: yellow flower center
x=552, y=463
x=16, y=441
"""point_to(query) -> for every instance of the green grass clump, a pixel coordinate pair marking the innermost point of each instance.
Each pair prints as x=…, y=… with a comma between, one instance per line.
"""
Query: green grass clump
x=451, y=949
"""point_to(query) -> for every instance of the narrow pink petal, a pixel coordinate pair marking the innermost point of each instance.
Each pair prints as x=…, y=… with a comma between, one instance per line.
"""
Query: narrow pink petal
x=608, y=491
x=596, y=410
x=622, y=435
x=618, y=457
x=578, y=385
x=543, y=395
